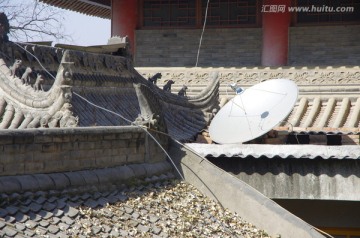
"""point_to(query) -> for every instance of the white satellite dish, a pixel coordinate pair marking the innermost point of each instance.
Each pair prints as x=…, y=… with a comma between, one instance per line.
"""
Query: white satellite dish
x=254, y=111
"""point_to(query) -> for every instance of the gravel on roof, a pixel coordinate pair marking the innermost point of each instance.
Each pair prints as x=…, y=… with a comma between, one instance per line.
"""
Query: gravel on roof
x=169, y=208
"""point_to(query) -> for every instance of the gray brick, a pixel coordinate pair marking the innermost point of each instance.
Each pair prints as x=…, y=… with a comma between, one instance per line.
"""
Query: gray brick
x=14, y=168
x=12, y=148
x=87, y=163
x=53, y=166
x=307, y=43
x=34, y=167
x=50, y=147
x=68, y=146
x=106, y=144
x=95, y=137
x=23, y=139
x=117, y=160
x=43, y=139
x=103, y=161
x=135, y=158
x=87, y=145
x=109, y=136
x=61, y=138
x=6, y=139
x=152, y=56
x=69, y=165
x=116, y=144
x=78, y=137
x=121, y=136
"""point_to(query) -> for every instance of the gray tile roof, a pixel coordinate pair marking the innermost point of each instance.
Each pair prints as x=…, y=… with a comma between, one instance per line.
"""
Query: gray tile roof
x=106, y=80
x=161, y=208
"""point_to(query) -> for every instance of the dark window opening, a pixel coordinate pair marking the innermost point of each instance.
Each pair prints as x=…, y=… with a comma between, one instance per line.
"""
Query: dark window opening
x=168, y=13
x=231, y=12
x=191, y=13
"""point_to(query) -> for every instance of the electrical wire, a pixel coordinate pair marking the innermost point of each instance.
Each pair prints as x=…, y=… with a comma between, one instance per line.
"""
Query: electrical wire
x=292, y=130
x=202, y=33
x=112, y=112
x=145, y=129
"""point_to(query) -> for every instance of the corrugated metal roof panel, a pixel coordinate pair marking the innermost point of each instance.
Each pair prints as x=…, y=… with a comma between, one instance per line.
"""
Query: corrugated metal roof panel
x=276, y=151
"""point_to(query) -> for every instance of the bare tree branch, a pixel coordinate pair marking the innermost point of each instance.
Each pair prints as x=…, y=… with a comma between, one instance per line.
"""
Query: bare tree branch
x=31, y=20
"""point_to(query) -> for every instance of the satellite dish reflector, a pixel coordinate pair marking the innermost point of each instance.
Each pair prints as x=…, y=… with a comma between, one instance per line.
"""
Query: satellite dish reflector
x=254, y=112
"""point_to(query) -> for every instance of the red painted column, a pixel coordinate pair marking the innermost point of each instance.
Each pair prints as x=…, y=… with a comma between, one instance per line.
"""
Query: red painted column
x=124, y=18
x=275, y=27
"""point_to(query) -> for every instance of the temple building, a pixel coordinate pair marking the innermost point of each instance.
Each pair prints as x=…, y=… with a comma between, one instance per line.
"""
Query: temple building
x=237, y=32
x=314, y=43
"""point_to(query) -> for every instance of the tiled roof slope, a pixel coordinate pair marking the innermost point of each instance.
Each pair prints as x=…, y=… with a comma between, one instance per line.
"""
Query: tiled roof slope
x=110, y=82
x=325, y=115
x=164, y=208
x=329, y=97
x=83, y=7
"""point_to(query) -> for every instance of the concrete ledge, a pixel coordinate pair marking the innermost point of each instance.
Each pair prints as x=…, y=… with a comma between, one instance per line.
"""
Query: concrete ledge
x=239, y=197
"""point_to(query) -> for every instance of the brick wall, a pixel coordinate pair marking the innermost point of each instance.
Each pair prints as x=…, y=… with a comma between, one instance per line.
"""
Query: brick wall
x=178, y=47
x=325, y=45
x=308, y=46
x=58, y=150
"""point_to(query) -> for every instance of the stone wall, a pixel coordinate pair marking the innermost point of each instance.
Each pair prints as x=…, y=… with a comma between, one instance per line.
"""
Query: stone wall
x=178, y=47
x=236, y=47
x=34, y=151
x=324, y=45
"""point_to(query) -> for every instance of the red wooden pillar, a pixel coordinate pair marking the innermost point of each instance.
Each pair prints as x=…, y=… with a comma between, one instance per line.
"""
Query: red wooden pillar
x=124, y=18
x=275, y=27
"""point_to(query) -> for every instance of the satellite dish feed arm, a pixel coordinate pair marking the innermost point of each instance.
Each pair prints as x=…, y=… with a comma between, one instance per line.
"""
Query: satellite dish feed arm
x=237, y=89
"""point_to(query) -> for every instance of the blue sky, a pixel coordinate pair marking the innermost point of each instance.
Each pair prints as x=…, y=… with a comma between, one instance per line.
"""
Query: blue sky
x=87, y=30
